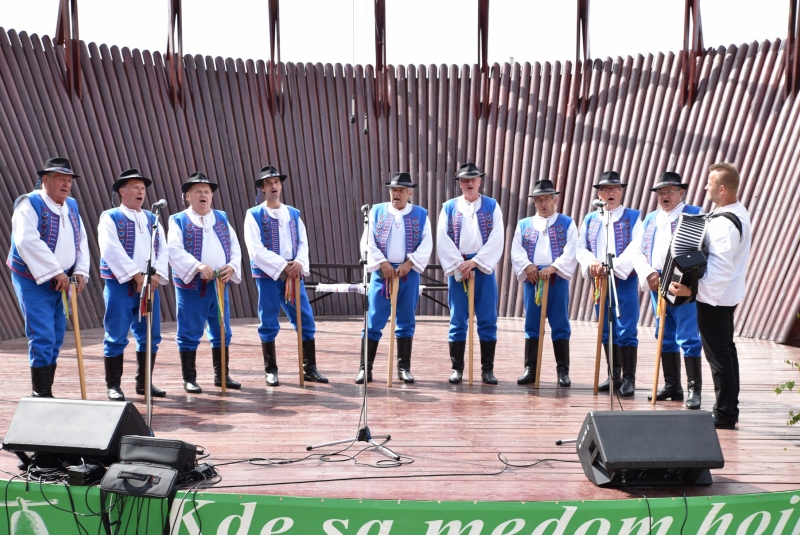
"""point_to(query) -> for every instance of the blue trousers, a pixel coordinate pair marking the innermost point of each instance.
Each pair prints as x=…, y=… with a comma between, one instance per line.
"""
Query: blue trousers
x=122, y=316
x=680, y=328
x=45, y=322
x=625, y=327
x=485, y=307
x=557, y=309
x=380, y=308
x=270, y=301
x=199, y=309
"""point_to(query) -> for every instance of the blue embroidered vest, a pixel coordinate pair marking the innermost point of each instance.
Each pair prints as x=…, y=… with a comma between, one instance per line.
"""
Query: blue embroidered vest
x=270, y=235
x=649, y=229
x=485, y=219
x=126, y=232
x=414, y=222
x=193, y=242
x=623, y=230
x=557, y=233
x=49, y=225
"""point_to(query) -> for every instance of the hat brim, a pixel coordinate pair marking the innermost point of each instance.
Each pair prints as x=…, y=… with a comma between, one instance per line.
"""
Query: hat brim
x=398, y=186
x=43, y=172
x=660, y=185
x=543, y=193
x=469, y=175
x=621, y=184
x=260, y=181
x=186, y=185
x=121, y=182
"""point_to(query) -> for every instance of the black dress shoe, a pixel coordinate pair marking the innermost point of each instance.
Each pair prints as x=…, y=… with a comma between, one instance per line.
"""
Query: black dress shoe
x=456, y=377
x=114, y=393
x=272, y=379
x=563, y=380
x=229, y=383
x=360, y=377
x=405, y=376
x=723, y=424
x=488, y=378
x=192, y=387
x=154, y=391
x=527, y=377
x=313, y=376
x=674, y=393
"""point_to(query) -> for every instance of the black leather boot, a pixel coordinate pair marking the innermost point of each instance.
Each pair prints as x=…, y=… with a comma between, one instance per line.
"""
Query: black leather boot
x=629, y=358
x=694, y=381
x=531, y=354
x=42, y=381
x=216, y=362
x=404, y=359
x=113, y=366
x=140, y=372
x=671, y=364
x=310, y=372
x=457, y=361
x=372, y=350
x=487, y=361
x=189, y=372
x=270, y=363
x=616, y=369
x=561, y=351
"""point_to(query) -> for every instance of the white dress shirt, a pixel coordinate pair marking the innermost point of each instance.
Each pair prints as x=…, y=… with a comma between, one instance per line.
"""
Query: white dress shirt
x=43, y=263
x=486, y=255
x=542, y=256
x=122, y=266
x=623, y=264
x=270, y=263
x=212, y=254
x=724, y=281
x=396, y=242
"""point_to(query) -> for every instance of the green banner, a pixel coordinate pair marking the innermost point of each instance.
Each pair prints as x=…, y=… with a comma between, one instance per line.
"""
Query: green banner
x=56, y=509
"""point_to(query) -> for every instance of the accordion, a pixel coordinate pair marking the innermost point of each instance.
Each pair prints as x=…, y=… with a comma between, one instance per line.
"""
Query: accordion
x=686, y=261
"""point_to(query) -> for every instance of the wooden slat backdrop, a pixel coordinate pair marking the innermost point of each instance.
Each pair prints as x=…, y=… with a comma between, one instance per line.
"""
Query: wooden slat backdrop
x=536, y=127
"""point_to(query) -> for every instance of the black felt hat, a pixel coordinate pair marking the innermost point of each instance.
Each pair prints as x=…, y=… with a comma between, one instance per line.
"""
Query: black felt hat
x=468, y=170
x=609, y=178
x=129, y=175
x=57, y=165
x=198, y=178
x=268, y=172
x=400, y=180
x=543, y=187
x=669, y=178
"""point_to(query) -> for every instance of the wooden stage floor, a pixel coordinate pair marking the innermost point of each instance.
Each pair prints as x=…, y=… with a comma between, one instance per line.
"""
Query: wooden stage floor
x=453, y=433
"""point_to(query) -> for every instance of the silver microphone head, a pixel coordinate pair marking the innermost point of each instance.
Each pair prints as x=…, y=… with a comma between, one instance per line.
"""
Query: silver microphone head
x=597, y=203
x=160, y=204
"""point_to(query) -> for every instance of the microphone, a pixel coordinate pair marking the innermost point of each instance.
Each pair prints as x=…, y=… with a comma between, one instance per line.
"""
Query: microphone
x=597, y=203
x=353, y=110
x=159, y=205
x=365, y=209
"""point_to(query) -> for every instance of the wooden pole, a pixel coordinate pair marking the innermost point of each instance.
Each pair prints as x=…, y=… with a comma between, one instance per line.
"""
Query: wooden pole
x=543, y=317
x=299, y=318
x=662, y=313
x=76, y=328
x=470, y=323
x=601, y=312
x=392, y=319
x=222, y=356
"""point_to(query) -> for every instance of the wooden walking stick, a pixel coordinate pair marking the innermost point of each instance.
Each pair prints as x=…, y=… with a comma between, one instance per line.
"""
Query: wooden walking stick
x=223, y=358
x=662, y=313
x=546, y=284
x=395, y=285
x=76, y=328
x=470, y=323
x=601, y=310
x=298, y=314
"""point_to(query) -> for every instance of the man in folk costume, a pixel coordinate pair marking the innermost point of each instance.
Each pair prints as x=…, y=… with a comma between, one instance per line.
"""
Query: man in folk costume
x=544, y=249
x=125, y=237
x=592, y=245
x=470, y=239
x=400, y=245
x=680, y=323
x=48, y=245
x=277, y=243
x=202, y=246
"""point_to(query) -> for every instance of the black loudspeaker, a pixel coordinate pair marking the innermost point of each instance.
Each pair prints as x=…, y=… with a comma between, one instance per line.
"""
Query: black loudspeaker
x=67, y=427
x=649, y=448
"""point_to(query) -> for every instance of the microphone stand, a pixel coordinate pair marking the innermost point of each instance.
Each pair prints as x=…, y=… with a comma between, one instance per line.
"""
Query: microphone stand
x=613, y=302
x=147, y=299
x=364, y=434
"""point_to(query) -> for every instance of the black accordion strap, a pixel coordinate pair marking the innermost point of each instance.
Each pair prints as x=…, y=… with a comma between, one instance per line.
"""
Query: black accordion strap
x=733, y=218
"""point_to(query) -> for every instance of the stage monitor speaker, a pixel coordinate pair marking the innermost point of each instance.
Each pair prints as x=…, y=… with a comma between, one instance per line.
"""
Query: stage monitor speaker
x=646, y=448
x=91, y=429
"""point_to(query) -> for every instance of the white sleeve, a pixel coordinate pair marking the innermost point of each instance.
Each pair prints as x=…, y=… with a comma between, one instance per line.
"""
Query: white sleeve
x=422, y=255
x=302, y=248
x=41, y=261
x=111, y=250
x=722, y=244
x=566, y=263
x=270, y=263
x=236, y=256
x=639, y=260
x=162, y=259
x=489, y=255
x=519, y=256
x=449, y=255
x=623, y=264
x=584, y=256
x=82, y=262
x=374, y=255
x=182, y=261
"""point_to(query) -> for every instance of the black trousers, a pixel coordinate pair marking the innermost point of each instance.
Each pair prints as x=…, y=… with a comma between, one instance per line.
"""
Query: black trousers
x=716, y=333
